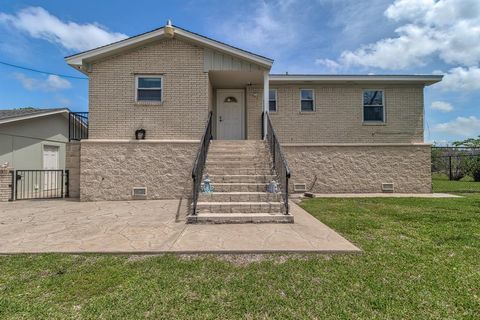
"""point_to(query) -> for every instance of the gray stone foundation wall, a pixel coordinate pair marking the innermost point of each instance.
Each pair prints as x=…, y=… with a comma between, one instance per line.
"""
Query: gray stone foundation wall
x=72, y=164
x=360, y=168
x=109, y=170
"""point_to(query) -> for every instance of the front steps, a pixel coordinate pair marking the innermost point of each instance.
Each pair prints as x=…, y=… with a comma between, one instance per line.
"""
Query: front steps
x=240, y=172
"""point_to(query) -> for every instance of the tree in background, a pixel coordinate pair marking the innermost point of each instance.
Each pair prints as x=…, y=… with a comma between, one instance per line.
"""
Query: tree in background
x=472, y=161
x=469, y=143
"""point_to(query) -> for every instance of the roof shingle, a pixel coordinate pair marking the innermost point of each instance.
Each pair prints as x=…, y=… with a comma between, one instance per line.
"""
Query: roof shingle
x=21, y=112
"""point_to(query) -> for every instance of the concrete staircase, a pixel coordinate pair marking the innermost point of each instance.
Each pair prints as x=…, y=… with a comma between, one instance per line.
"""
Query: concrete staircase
x=240, y=171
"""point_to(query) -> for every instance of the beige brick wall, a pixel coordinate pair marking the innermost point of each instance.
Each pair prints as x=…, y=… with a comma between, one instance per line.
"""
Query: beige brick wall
x=72, y=164
x=109, y=170
x=338, y=115
x=114, y=114
x=361, y=169
x=5, y=184
x=254, y=112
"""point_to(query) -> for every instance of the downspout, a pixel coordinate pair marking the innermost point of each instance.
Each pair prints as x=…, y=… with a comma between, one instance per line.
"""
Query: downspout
x=266, y=89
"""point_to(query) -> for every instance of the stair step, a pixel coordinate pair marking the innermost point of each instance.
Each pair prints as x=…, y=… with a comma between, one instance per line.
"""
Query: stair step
x=240, y=197
x=246, y=178
x=239, y=207
x=239, y=218
x=239, y=187
x=238, y=163
x=237, y=157
x=237, y=171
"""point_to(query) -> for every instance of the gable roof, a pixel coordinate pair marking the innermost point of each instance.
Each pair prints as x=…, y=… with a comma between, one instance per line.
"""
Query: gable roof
x=77, y=60
x=28, y=113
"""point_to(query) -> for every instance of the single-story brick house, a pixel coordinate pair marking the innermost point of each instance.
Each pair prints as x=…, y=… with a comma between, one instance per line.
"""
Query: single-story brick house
x=169, y=105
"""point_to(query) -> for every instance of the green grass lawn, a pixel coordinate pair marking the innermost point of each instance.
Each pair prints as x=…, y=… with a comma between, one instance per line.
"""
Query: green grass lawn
x=421, y=260
x=465, y=185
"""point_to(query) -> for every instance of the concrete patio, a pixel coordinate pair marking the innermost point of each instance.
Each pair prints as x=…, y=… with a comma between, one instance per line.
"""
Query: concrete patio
x=150, y=227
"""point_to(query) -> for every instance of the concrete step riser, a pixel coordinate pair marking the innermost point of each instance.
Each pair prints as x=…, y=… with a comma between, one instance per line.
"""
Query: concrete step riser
x=240, y=187
x=222, y=219
x=237, y=166
x=275, y=208
x=227, y=165
x=242, y=179
x=238, y=148
x=237, y=171
x=235, y=197
x=237, y=142
x=235, y=157
x=238, y=153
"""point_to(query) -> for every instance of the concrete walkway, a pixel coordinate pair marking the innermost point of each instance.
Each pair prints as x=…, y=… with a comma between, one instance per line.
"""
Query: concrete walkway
x=150, y=227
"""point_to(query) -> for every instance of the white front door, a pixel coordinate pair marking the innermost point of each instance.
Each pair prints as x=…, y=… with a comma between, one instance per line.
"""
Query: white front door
x=50, y=162
x=230, y=114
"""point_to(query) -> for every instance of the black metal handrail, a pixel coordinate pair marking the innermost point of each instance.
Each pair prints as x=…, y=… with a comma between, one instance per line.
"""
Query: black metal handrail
x=199, y=164
x=279, y=162
x=77, y=126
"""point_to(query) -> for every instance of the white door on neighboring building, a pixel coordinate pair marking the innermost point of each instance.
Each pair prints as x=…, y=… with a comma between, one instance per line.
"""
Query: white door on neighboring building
x=230, y=114
x=50, y=162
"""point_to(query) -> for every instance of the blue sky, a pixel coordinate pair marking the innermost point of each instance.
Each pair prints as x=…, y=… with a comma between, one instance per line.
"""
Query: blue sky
x=322, y=36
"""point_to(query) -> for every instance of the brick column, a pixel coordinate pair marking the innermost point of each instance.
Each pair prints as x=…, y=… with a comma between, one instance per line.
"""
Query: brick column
x=5, y=184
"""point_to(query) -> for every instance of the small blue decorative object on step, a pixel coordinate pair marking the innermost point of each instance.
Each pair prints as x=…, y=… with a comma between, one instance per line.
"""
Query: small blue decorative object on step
x=272, y=187
x=207, y=187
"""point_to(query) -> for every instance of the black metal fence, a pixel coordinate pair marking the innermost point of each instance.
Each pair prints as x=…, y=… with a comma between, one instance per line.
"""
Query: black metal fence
x=40, y=184
x=279, y=162
x=456, y=163
x=199, y=165
x=77, y=126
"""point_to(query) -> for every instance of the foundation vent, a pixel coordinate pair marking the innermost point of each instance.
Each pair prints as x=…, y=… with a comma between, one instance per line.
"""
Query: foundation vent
x=299, y=187
x=139, y=193
x=387, y=187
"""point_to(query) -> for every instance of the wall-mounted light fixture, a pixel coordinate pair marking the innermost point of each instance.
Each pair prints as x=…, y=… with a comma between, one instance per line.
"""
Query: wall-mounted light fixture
x=140, y=134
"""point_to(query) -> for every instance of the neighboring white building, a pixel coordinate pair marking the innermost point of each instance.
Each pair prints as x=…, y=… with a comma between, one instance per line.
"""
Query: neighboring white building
x=32, y=138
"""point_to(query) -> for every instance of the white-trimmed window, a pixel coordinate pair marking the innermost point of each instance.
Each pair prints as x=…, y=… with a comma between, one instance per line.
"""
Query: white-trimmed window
x=272, y=100
x=373, y=106
x=307, y=100
x=148, y=88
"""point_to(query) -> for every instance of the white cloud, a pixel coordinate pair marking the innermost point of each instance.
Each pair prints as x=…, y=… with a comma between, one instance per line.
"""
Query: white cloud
x=447, y=29
x=442, y=106
x=328, y=64
x=408, y=9
x=51, y=83
x=460, y=79
x=40, y=24
x=461, y=126
x=410, y=48
x=270, y=26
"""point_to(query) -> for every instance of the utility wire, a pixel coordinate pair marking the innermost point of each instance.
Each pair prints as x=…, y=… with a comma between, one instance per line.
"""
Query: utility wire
x=44, y=72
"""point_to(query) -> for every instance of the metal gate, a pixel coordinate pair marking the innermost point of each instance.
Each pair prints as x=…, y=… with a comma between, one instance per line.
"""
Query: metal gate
x=41, y=184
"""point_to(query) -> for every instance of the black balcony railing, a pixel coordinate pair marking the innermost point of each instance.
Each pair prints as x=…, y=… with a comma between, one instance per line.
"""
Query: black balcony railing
x=199, y=165
x=279, y=162
x=77, y=126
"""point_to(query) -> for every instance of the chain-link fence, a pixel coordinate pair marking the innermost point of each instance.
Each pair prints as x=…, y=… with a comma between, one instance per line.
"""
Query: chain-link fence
x=456, y=169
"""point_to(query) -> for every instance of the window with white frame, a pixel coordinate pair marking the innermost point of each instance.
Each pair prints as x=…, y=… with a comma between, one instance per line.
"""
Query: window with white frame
x=149, y=88
x=307, y=100
x=272, y=100
x=373, y=106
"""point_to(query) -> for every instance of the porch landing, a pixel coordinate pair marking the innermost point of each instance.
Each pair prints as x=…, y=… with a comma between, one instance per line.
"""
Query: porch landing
x=150, y=227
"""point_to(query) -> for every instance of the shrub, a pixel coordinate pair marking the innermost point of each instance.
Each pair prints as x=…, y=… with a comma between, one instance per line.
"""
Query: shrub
x=474, y=169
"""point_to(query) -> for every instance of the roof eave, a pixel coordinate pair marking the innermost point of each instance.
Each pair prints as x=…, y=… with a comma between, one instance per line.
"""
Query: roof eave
x=34, y=115
x=421, y=79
